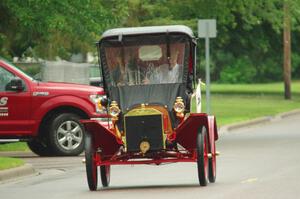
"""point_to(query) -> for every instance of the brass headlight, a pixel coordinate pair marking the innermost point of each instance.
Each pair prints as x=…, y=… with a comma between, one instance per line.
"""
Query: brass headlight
x=179, y=105
x=114, y=109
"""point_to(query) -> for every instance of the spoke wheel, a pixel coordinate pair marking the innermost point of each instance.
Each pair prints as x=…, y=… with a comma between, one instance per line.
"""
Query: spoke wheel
x=202, y=158
x=105, y=175
x=212, y=164
x=90, y=163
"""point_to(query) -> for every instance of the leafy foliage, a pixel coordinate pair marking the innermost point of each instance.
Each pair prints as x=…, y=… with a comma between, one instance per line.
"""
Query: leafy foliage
x=53, y=28
x=249, y=32
x=241, y=70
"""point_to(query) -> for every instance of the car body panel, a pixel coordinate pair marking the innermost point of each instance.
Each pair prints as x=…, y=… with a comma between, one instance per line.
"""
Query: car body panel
x=26, y=109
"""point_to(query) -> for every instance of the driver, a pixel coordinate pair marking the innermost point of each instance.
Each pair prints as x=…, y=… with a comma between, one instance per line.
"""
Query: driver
x=165, y=73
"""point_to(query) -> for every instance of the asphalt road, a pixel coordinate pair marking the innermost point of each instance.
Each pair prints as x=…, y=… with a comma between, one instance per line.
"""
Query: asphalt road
x=257, y=162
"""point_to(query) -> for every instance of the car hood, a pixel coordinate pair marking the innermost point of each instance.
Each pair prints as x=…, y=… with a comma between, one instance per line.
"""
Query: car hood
x=69, y=87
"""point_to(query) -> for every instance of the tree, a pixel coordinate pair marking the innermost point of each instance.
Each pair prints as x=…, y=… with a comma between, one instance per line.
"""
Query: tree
x=56, y=27
x=249, y=32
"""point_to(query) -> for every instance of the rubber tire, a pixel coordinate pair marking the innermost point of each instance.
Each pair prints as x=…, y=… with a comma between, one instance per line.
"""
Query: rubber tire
x=90, y=164
x=105, y=175
x=212, y=163
x=202, y=159
x=54, y=124
x=39, y=147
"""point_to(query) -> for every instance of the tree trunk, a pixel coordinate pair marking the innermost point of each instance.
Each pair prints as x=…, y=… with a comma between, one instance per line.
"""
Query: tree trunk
x=287, y=51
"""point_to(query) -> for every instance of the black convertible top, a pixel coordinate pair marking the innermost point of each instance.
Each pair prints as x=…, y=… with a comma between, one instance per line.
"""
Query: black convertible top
x=119, y=54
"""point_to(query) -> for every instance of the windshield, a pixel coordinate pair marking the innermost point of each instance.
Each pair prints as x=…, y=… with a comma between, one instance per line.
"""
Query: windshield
x=18, y=69
x=140, y=64
x=150, y=69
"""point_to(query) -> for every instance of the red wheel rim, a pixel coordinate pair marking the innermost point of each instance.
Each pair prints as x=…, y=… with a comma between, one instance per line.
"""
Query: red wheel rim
x=205, y=149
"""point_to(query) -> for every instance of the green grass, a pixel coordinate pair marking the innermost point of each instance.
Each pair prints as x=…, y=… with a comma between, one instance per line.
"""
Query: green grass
x=7, y=163
x=17, y=146
x=263, y=89
x=236, y=108
x=232, y=103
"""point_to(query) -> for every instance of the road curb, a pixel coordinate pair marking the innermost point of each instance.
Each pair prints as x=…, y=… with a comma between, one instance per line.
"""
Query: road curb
x=257, y=121
x=290, y=113
x=231, y=127
x=17, y=172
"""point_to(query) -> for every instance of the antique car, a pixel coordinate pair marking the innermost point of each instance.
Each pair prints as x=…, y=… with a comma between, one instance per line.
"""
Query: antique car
x=153, y=104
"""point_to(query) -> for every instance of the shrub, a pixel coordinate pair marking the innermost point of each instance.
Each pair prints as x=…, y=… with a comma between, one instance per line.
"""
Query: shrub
x=295, y=65
x=240, y=71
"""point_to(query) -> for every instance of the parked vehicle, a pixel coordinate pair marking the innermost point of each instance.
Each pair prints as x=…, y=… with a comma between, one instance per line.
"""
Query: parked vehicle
x=95, y=79
x=148, y=76
x=46, y=114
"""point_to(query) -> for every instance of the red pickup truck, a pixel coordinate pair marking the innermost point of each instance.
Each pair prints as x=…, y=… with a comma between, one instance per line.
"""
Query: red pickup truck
x=45, y=114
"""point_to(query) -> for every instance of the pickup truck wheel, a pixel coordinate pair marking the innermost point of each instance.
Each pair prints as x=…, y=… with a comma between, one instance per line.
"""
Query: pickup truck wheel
x=66, y=135
x=39, y=147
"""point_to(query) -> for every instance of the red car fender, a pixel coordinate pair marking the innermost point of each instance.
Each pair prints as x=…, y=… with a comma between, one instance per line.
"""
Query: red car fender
x=102, y=137
x=186, y=133
x=59, y=101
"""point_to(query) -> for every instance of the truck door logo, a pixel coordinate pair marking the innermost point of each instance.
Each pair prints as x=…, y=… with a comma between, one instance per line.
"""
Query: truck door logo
x=3, y=101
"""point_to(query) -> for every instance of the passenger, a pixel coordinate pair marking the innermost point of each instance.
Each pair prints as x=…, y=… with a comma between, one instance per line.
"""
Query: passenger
x=172, y=70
